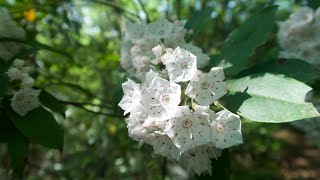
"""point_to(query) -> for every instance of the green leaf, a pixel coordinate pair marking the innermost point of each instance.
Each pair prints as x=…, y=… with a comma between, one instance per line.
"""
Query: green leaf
x=7, y=129
x=40, y=127
x=314, y=4
x=52, y=103
x=4, y=81
x=244, y=40
x=18, y=147
x=197, y=21
x=294, y=68
x=269, y=98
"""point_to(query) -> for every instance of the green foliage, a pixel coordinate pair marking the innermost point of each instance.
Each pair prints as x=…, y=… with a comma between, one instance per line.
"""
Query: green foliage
x=52, y=103
x=243, y=41
x=4, y=80
x=197, y=21
x=269, y=98
x=18, y=147
x=40, y=127
x=293, y=68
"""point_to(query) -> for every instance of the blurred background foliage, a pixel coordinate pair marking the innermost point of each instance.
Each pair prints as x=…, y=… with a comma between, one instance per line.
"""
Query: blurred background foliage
x=75, y=49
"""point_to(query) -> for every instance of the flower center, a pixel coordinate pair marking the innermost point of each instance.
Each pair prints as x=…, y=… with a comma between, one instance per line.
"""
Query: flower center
x=187, y=123
x=184, y=65
x=205, y=85
x=220, y=127
x=165, y=99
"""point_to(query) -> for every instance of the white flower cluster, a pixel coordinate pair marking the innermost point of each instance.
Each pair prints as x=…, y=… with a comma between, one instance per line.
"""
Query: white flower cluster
x=299, y=36
x=159, y=107
x=24, y=97
x=9, y=29
x=144, y=44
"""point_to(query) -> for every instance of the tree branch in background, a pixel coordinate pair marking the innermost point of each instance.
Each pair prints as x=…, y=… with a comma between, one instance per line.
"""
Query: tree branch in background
x=144, y=10
x=115, y=7
x=178, y=7
x=82, y=106
x=37, y=45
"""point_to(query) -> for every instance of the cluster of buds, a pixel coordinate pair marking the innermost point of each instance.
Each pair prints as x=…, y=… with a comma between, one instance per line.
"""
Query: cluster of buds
x=299, y=35
x=170, y=108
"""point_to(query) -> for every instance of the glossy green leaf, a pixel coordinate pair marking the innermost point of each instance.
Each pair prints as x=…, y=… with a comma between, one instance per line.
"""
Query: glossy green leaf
x=18, y=147
x=197, y=21
x=7, y=129
x=40, y=127
x=52, y=103
x=269, y=98
x=244, y=40
x=294, y=68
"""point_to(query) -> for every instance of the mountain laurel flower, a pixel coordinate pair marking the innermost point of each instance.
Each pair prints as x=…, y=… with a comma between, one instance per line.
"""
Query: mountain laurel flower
x=206, y=88
x=298, y=36
x=24, y=101
x=132, y=96
x=198, y=160
x=188, y=129
x=162, y=110
x=160, y=28
x=164, y=146
x=181, y=65
x=226, y=130
x=161, y=98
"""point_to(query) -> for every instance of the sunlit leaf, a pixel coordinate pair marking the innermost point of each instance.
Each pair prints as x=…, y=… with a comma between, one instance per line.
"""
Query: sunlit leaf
x=269, y=98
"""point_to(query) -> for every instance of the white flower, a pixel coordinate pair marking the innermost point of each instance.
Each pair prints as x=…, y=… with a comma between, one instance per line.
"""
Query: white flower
x=160, y=28
x=136, y=31
x=136, y=130
x=150, y=75
x=299, y=35
x=16, y=74
x=158, y=50
x=24, y=101
x=226, y=130
x=18, y=63
x=188, y=129
x=181, y=65
x=206, y=88
x=202, y=59
x=125, y=60
x=27, y=82
x=197, y=160
x=132, y=96
x=163, y=146
x=161, y=98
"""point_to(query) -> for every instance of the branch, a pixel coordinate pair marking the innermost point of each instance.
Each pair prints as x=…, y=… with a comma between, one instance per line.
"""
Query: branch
x=37, y=45
x=86, y=104
x=145, y=11
x=95, y=112
x=117, y=8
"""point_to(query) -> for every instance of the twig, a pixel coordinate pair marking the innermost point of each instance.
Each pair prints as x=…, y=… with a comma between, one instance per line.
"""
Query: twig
x=145, y=11
x=95, y=112
x=37, y=45
x=117, y=8
x=86, y=104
